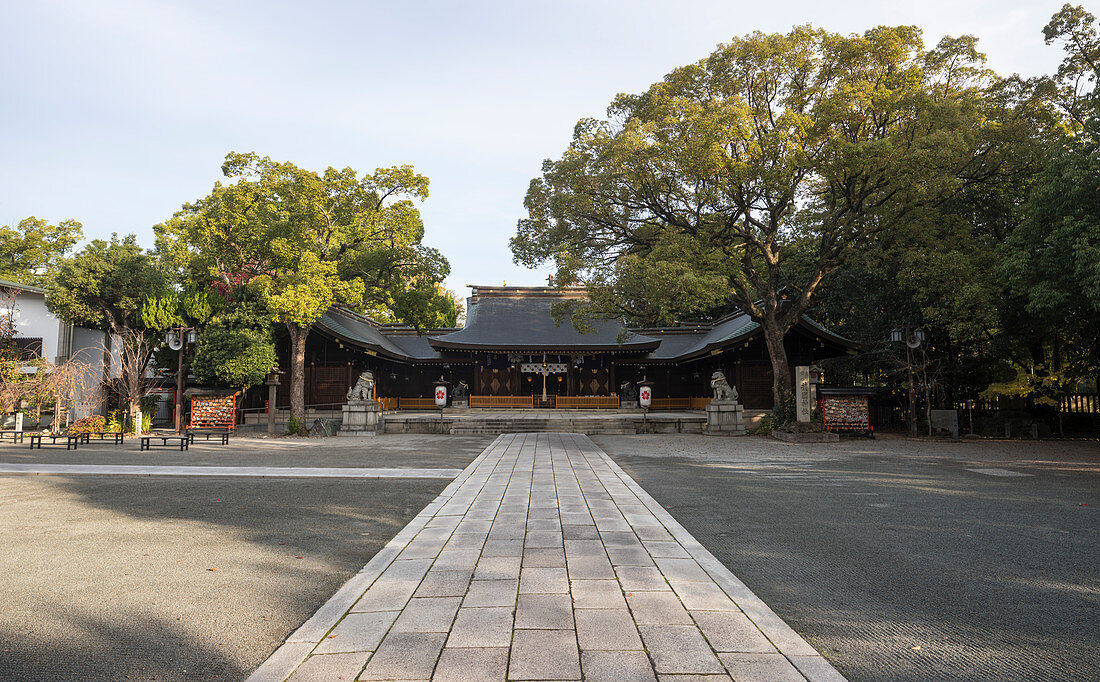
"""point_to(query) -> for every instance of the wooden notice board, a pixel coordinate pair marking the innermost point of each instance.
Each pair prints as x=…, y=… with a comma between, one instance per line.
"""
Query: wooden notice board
x=213, y=412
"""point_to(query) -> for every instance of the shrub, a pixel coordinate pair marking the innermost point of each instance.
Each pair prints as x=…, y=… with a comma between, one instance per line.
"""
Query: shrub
x=90, y=424
x=293, y=426
x=765, y=426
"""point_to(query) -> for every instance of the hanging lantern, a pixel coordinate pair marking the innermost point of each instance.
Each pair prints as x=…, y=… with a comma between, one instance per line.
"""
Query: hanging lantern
x=645, y=392
x=441, y=393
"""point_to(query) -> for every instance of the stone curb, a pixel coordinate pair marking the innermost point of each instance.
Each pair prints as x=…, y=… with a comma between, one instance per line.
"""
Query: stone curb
x=282, y=663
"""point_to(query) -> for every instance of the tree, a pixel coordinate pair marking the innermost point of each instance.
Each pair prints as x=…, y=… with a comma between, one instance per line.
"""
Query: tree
x=106, y=286
x=31, y=246
x=1051, y=261
x=306, y=241
x=745, y=178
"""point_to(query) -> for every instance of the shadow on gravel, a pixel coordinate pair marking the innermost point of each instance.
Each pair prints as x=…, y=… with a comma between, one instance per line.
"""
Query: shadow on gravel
x=98, y=649
x=115, y=574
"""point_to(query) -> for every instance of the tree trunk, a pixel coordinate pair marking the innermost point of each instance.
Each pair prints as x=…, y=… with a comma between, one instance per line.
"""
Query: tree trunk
x=298, y=374
x=782, y=384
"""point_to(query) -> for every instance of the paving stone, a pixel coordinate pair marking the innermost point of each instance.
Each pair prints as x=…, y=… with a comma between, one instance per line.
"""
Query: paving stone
x=497, y=568
x=358, y=632
x=444, y=583
x=466, y=541
x=658, y=608
x=544, y=557
x=641, y=578
x=700, y=596
x=543, y=538
x=543, y=525
x=545, y=612
x=620, y=539
x=597, y=594
x=431, y=614
x=580, y=532
x=472, y=526
x=456, y=560
x=405, y=656
x=543, y=513
x=502, y=548
x=327, y=667
x=413, y=569
x=544, y=655
x=732, y=631
x=679, y=649
x=387, y=595
x=616, y=666
x=761, y=668
x=468, y=664
x=540, y=580
x=491, y=593
x=682, y=570
x=589, y=568
x=694, y=678
x=666, y=549
x=482, y=627
x=585, y=548
x=607, y=630
x=629, y=556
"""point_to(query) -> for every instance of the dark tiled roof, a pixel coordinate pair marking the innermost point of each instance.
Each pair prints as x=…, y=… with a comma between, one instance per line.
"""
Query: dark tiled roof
x=520, y=319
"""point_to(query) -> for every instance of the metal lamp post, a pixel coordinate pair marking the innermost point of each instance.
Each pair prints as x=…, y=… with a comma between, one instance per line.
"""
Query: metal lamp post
x=912, y=337
x=177, y=339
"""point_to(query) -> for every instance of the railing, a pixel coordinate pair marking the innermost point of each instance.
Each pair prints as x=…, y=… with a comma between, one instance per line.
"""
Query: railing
x=388, y=404
x=521, y=401
x=588, y=402
x=698, y=403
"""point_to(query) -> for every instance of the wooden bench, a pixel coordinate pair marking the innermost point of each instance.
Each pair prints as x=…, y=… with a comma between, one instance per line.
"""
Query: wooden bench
x=16, y=436
x=71, y=442
x=221, y=434
x=183, y=441
x=117, y=436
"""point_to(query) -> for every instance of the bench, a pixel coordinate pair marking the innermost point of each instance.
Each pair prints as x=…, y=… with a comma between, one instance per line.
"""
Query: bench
x=71, y=442
x=182, y=441
x=220, y=434
x=16, y=436
x=117, y=436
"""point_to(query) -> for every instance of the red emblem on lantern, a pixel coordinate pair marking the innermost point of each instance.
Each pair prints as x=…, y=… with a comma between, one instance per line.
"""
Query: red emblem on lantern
x=441, y=396
x=645, y=396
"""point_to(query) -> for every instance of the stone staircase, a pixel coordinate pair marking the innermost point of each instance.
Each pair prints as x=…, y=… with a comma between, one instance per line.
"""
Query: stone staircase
x=537, y=425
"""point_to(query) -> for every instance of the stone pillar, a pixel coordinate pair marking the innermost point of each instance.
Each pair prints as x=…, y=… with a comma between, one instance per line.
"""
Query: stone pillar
x=725, y=418
x=361, y=418
x=803, y=394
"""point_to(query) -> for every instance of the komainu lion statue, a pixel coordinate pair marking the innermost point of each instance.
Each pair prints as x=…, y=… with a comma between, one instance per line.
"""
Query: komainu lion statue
x=363, y=390
x=722, y=388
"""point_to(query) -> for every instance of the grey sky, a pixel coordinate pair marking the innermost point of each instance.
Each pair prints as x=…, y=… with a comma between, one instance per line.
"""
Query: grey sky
x=116, y=112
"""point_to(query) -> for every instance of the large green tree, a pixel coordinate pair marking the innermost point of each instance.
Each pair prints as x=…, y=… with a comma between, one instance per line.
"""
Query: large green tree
x=745, y=178
x=1050, y=262
x=107, y=286
x=29, y=248
x=305, y=241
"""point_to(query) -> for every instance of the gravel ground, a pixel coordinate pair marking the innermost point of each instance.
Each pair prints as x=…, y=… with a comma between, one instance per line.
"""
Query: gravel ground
x=112, y=577
x=891, y=557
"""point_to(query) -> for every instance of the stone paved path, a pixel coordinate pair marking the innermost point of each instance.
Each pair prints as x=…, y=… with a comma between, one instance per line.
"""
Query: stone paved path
x=543, y=560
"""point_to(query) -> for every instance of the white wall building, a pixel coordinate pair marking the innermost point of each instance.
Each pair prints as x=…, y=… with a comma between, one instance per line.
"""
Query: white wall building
x=40, y=333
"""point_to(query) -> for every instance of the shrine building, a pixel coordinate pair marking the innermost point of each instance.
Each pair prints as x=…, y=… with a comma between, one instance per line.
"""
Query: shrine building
x=510, y=353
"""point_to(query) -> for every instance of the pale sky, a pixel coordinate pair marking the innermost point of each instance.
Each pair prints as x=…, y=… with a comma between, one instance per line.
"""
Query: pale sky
x=115, y=113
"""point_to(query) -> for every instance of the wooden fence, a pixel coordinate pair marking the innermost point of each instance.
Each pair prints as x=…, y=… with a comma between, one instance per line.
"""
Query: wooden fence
x=515, y=401
x=587, y=402
x=416, y=404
